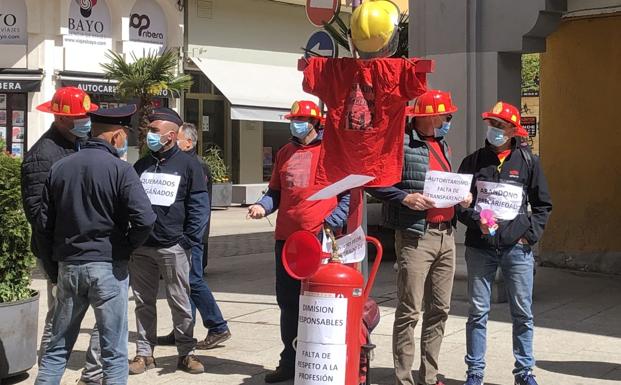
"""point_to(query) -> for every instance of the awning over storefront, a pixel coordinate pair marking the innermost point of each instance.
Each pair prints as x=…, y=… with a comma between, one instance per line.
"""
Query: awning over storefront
x=256, y=91
x=92, y=83
x=15, y=80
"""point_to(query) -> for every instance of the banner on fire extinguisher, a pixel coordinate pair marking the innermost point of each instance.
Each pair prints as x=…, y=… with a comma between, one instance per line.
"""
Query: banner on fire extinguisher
x=322, y=320
x=320, y=364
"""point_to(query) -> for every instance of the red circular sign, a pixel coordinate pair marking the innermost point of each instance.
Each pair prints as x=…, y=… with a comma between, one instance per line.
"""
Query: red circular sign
x=322, y=12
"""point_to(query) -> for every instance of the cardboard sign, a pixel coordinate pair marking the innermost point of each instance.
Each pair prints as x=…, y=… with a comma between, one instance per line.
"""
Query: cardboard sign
x=347, y=183
x=351, y=247
x=446, y=188
x=318, y=364
x=322, y=320
x=160, y=188
x=505, y=200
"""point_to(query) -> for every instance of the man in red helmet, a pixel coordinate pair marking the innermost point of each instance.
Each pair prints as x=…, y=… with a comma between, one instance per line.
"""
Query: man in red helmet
x=291, y=183
x=424, y=239
x=69, y=130
x=500, y=234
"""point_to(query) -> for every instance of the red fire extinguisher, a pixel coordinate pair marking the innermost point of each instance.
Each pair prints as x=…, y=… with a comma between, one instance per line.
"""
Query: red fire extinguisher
x=332, y=298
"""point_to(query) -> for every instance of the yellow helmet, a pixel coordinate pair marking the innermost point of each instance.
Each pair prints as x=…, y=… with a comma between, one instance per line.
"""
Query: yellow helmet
x=374, y=28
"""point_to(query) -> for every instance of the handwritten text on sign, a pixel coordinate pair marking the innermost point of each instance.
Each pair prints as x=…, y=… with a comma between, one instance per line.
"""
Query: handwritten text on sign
x=351, y=247
x=322, y=320
x=320, y=364
x=160, y=188
x=503, y=199
x=446, y=188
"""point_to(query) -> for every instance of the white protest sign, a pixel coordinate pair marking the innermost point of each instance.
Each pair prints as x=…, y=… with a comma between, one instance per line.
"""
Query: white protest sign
x=446, y=188
x=351, y=247
x=160, y=188
x=503, y=199
x=347, y=183
x=322, y=320
x=317, y=364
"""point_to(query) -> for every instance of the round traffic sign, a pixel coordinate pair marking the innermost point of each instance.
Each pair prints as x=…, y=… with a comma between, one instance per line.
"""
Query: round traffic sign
x=321, y=43
x=322, y=11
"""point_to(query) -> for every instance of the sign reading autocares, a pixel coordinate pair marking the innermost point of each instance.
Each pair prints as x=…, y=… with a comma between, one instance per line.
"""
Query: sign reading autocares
x=147, y=23
x=13, y=22
x=89, y=24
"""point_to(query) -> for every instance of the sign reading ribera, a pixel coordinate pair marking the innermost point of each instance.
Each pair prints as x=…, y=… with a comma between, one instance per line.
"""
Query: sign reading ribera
x=147, y=23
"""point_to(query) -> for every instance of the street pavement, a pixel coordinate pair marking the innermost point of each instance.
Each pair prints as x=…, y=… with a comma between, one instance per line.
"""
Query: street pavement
x=577, y=318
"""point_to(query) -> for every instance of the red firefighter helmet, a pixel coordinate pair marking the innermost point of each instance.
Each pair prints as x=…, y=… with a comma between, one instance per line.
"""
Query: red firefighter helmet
x=507, y=113
x=432, y=103
x=69, y=101
x=304, y=109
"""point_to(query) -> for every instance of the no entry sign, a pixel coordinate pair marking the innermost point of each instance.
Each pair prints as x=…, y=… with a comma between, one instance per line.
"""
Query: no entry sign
x=322, y=11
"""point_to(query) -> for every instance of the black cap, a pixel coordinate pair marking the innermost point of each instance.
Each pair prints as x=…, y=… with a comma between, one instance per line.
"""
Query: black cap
x=166, y=114
x=120, y=116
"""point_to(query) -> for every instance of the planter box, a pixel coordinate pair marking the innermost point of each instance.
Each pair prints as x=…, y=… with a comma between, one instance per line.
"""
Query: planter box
x=18, y=336
x=221, y=194
x=247, y=194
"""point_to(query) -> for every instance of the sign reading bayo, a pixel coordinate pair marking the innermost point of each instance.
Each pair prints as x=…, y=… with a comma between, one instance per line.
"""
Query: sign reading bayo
x=89, y=24
x=13, y=22
x=147, y=23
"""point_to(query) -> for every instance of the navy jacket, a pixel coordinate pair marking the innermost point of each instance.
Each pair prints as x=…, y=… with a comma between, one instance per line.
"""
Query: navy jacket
x=93, y=208
x=185, y=220
x=520, y=168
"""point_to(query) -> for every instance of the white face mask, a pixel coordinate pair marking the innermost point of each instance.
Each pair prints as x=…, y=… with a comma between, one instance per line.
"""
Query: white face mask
x=496, y=136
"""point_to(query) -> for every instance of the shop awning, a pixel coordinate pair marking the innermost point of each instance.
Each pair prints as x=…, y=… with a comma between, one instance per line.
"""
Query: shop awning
x=256, y=91
x=20, y=80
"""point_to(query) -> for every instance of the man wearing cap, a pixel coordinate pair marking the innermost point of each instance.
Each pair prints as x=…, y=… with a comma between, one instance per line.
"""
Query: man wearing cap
x=71, y=126
x=175, y=185
x=507, y=178
x=424, y=239
x=94, y=213
x=200, y=295
x=292, y=182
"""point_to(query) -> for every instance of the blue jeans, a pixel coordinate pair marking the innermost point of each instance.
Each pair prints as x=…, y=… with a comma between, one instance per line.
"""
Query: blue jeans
x=201, y=297
x=517, y=267
x=288, y=298
x=102, y=285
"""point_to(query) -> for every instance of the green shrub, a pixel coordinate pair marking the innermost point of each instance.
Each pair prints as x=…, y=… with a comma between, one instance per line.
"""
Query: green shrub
x=16, y=260
x=219, y=171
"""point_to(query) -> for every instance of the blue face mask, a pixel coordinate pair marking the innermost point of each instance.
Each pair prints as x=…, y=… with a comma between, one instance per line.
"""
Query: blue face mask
x=153, y=141
x=496, y=136
x=123, y=150
x=81, y=127
x=443, y=130
x=299, y=129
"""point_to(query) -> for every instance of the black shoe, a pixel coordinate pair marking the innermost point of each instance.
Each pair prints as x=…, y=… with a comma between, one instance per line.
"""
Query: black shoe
x=279, y=375
x=168, y=340
x=214, y=339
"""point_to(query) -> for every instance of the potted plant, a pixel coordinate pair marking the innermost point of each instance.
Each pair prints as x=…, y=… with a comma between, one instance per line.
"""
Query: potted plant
x=222, y=190
x=19, y=305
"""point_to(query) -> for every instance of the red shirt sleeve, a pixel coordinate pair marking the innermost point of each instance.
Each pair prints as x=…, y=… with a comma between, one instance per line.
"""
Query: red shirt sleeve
x=412, y=84
x=317, y=77
x=275, y=178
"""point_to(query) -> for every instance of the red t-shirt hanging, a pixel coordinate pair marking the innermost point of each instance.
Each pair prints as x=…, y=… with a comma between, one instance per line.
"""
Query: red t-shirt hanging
x=436, y=215
x=364, y=127
x=294, y=176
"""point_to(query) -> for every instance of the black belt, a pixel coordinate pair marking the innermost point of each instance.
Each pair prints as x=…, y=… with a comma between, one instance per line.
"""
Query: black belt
x=440, y=225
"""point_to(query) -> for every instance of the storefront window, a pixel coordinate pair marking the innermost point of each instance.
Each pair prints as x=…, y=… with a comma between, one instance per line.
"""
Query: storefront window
x=14, y=122
x=275, y=135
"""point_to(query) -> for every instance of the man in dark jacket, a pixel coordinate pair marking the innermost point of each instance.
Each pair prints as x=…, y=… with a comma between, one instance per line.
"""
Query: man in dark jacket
x=200, y=295
x=175, y=184
x=424, y=240
x=71, y=126
x=501, y=232
x=94, y=213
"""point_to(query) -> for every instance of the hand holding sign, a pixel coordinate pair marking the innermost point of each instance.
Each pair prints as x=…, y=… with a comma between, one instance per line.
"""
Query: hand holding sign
x=447, y=189
x=418, y=202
